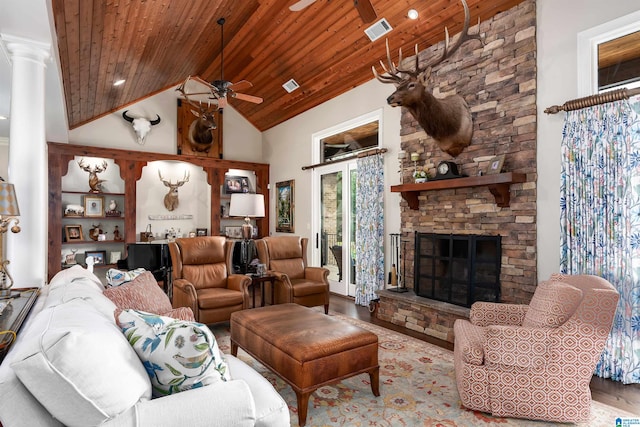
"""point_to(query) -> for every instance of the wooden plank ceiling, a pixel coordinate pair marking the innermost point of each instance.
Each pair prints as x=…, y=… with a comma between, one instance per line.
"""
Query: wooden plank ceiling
x=156, y=44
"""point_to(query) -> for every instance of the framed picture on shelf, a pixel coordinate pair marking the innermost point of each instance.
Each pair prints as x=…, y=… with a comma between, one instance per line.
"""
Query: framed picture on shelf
x=98, y=256
x=285, y=207
x=234, y=232
x=73, y=233
x=495, y=165
x=93, y=206
x=201, y=232
x=236, y=184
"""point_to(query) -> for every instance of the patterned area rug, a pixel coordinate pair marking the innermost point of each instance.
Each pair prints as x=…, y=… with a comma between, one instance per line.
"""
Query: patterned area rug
x=417, y=386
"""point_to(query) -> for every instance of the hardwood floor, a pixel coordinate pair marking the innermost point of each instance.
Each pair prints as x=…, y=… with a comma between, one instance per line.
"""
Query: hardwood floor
x=613, y=393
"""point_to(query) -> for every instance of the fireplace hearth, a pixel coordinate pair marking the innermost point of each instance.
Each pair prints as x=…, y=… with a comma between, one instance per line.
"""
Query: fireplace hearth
x=456, y=268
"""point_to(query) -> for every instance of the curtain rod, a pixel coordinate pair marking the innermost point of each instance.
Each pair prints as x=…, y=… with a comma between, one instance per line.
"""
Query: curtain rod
x=344, y=159
x=589, y=101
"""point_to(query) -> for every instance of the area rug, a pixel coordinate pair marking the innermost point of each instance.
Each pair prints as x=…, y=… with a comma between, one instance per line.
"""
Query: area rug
x=417, y=386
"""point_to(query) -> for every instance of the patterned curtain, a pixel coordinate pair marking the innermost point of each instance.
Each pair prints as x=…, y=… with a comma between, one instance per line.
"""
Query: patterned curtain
x=600, y=218
x=369, y=228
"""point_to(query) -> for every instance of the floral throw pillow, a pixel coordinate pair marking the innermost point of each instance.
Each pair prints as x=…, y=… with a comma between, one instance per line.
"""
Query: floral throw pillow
x=178, y=355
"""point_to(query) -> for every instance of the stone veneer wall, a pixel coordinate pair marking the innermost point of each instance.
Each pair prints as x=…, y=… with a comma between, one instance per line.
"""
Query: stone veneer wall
x=498, y=81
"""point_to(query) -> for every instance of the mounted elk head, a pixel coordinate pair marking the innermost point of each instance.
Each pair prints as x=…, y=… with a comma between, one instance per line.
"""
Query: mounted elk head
x=95, y=183
x=141, y=126
x=200, y=134
x=171, y=198
x=448, y=121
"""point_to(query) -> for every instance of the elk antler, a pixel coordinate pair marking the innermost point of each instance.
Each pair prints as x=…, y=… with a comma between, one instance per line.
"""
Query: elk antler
x=393, y=72
x=199, y=105
x=92, y=169
x=178, y=183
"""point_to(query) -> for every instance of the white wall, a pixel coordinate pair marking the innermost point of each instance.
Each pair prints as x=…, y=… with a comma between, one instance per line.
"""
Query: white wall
x=241, y=140
x=4, y=158
x=559, y=23
x=287, y=147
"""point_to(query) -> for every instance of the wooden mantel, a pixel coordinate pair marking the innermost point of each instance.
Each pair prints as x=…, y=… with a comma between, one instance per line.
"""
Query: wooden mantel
x=498, y=184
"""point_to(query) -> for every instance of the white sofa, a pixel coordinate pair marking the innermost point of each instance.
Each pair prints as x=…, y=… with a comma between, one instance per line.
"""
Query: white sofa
x=71, y=365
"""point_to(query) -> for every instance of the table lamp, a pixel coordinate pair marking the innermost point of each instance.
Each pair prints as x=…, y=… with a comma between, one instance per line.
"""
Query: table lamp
x=249, y=206
x=8, y=212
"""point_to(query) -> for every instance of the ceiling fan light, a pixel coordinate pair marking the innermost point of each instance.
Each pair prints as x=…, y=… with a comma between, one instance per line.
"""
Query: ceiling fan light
x=412, y=14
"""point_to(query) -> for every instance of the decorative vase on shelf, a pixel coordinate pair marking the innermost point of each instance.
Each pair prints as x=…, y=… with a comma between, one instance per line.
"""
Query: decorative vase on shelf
x=420, y=177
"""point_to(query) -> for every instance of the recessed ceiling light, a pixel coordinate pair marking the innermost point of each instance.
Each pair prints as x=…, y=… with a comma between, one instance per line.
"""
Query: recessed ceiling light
x=119, y=82
x=412, y=14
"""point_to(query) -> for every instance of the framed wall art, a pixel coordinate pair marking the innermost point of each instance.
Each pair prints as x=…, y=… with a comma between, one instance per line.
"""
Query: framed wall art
x=285, y=206
x=73, y=233
x=93, y=206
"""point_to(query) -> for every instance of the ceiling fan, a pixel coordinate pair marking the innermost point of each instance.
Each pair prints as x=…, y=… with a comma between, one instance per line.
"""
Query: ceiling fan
x=364, y=7
x=223, y=88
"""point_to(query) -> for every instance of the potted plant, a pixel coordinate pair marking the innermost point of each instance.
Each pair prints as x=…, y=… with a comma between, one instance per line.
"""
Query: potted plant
x=420, y=176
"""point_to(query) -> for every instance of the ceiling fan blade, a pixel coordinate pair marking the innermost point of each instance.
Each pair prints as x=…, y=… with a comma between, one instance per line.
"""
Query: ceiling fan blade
x=241, y=85
x=250, y=98
x=366, y=10
x=298, y=6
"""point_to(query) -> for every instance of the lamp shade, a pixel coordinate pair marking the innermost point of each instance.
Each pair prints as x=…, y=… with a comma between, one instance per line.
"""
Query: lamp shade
x=8, y=200
x=247, y=205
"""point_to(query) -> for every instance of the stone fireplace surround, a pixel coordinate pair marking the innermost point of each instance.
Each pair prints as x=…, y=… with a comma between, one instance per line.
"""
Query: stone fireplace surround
x=498, y=81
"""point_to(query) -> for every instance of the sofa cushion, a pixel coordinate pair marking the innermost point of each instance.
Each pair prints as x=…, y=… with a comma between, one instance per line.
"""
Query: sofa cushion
x=177, y=355
x=142, y=293
x=552, y=304
x=78, y=365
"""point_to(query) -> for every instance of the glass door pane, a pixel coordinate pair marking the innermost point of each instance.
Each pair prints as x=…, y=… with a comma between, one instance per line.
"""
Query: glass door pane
x=331, y=224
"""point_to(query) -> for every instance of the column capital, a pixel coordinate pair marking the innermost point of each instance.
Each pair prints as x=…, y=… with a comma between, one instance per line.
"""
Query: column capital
x=20, y=47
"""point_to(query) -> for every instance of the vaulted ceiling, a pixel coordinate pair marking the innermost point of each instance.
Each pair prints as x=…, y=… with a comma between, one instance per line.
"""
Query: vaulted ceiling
x=155, y=44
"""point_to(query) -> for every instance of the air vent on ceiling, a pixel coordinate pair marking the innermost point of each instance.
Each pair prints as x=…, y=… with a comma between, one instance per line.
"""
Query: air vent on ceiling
x=378, y=29
x=291, y=85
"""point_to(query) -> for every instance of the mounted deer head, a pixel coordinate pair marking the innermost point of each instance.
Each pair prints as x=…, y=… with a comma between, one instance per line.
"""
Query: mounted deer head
x=171, y=198
x=448, y=121
x=141, y=126
x=200, y=134
x=95, y=184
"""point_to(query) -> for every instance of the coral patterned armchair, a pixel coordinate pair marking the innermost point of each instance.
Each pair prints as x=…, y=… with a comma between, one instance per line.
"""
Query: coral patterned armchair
x=536, y=361
x=286, y=258
x=202, y=279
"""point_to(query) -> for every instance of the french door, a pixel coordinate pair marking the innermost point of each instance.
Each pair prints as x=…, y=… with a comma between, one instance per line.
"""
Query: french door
x=334, y=224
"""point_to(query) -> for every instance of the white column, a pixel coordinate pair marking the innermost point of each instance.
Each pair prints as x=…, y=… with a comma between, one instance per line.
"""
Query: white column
x=27, y=250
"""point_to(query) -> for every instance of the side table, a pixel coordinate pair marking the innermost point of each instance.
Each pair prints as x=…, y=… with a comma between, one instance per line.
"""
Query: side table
x=261, y=280
x=13, y=316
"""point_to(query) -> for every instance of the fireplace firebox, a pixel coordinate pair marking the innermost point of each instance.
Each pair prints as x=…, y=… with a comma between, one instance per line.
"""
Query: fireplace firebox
x=458, y=269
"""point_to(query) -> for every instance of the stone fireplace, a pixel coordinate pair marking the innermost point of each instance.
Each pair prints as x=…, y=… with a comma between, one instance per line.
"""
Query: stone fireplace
x=498, y=81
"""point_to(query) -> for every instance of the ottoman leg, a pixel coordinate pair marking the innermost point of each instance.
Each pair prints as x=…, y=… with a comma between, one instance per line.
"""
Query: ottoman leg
x=374, y=377
x=303, y=406
x=234, y=349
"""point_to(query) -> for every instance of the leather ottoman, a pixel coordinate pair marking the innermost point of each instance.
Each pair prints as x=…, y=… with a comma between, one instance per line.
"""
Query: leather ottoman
x=306, y=348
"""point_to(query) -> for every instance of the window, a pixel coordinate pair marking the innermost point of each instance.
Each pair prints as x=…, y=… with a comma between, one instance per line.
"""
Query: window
x=609, y=56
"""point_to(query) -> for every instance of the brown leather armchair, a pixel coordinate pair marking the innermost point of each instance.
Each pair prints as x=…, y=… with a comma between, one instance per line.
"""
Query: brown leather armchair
x=286, y=258
x=201, y=278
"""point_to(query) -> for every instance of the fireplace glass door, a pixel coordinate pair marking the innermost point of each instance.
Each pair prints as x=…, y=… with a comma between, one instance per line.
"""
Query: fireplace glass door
x=458, y=269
